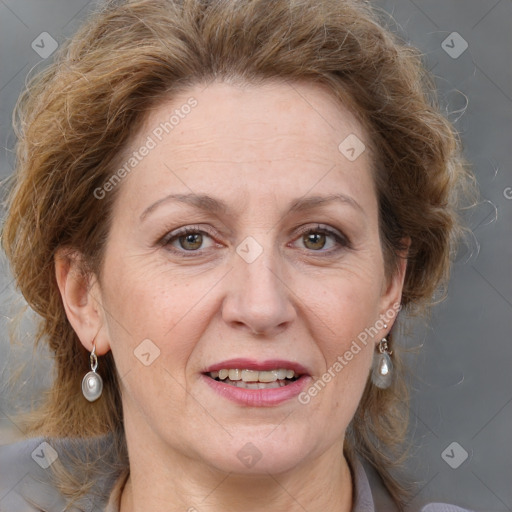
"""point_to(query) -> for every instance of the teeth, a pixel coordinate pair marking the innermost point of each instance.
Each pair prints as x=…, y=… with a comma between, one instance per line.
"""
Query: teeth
x=250, y=375
x=235, y=374
x=270, y=376
x=281, y=374
x=253, y=376
x=257, y=385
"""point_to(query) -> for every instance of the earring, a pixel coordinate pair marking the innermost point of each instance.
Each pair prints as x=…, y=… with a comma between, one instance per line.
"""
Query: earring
x=92, y=383
x=382, y=367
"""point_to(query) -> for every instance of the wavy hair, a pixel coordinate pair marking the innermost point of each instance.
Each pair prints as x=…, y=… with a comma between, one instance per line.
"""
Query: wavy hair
x=76, y=116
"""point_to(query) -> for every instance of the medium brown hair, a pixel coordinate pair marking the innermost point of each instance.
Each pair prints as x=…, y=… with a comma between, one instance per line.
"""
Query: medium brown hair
x=74, y=119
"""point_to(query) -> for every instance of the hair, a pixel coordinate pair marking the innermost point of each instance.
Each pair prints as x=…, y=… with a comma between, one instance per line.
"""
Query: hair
x=76, y=116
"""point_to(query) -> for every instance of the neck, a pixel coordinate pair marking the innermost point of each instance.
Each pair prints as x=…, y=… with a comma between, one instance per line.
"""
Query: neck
x=322, y=485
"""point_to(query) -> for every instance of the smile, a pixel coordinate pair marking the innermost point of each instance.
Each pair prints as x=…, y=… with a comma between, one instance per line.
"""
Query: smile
x=253, y=379
x=252, y=383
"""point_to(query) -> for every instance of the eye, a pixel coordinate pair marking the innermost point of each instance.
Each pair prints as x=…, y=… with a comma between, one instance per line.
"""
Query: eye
x=189, y=239
x=317, y=238
x=192, y=239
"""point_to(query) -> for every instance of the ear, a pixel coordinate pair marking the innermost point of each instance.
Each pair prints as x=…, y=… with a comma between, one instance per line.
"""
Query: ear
x=392, y=290
x=81, y=297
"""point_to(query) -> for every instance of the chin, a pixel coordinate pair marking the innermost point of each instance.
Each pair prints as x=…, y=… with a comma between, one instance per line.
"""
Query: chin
x=252, y=465
x=246, y=454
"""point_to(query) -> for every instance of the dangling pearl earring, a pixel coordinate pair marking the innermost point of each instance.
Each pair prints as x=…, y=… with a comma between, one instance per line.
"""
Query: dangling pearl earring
x=92, y=383
x=382, y=369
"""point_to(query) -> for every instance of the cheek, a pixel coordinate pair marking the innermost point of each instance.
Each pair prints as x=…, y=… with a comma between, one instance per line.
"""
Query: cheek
x=144, y=303
x=346, y=306
x=343, y=319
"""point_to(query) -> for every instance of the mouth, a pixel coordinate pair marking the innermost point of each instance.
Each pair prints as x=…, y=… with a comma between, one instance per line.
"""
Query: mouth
x=257, y=383
x=254, y=379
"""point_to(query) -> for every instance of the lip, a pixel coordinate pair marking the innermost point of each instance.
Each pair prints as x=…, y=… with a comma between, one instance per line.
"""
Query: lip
x=252, y=364
x=258, y=397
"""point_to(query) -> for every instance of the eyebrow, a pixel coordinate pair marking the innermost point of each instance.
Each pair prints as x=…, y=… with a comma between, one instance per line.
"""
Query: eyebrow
x=212, y=205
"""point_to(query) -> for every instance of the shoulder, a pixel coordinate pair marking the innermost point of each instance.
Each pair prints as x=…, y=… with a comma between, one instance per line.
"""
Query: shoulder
x=24, y=477
x=443, y=507
x=27, y=482
x=371, y=495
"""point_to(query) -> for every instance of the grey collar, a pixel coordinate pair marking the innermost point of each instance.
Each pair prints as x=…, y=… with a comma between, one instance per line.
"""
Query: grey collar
x=370, y=493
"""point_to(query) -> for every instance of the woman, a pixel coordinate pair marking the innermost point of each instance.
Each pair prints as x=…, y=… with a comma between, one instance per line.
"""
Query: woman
x=220, y=208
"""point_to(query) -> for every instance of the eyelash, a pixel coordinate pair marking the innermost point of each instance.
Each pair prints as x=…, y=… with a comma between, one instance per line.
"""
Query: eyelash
x=166, y=241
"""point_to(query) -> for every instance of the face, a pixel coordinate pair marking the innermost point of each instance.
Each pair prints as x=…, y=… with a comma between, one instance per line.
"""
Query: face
x=245, y=239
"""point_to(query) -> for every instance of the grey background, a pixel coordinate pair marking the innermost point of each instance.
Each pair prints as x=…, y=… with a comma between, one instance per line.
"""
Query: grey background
x=462, y=388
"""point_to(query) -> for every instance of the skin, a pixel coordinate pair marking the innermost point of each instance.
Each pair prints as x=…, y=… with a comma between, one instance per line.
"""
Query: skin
x=258, y=149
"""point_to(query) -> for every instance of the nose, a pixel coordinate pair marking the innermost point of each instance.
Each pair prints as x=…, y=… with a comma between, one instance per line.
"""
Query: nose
x=258, y=298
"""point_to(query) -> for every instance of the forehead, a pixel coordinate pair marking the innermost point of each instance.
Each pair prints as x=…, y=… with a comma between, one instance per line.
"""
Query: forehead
x=258, y=111
x=289, y=137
